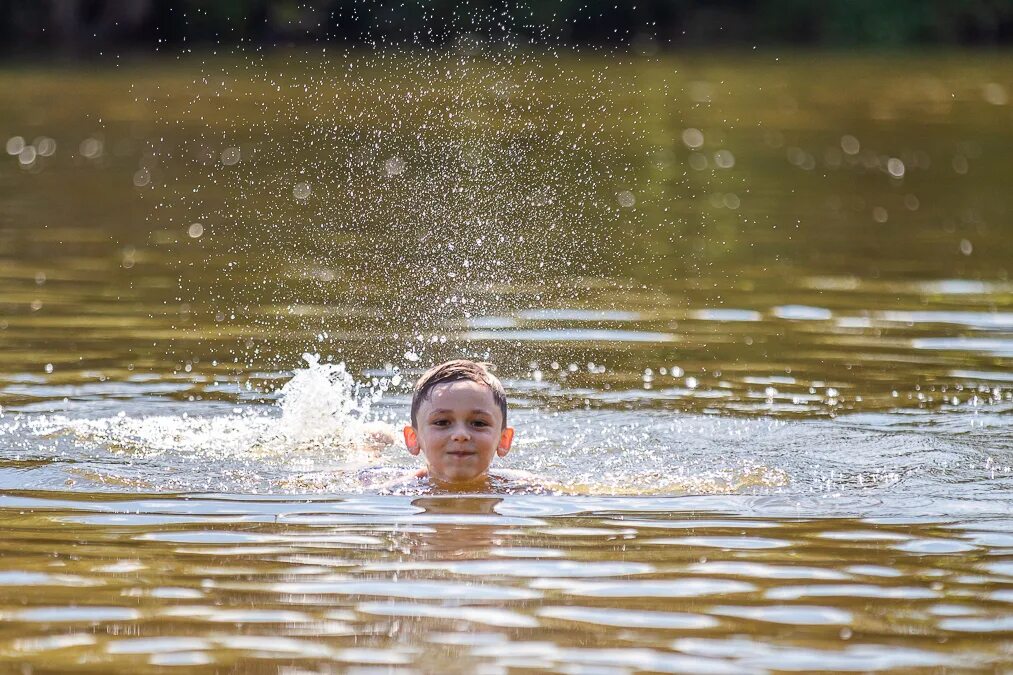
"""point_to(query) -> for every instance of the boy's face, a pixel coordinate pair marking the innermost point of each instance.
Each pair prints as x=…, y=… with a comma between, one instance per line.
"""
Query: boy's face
x=460, y=430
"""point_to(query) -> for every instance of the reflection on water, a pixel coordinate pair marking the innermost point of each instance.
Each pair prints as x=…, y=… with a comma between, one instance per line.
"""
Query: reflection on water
x=757, y=341
x=474, y=583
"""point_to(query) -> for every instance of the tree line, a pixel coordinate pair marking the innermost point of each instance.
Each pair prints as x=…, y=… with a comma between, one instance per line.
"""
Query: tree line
x=91, y=26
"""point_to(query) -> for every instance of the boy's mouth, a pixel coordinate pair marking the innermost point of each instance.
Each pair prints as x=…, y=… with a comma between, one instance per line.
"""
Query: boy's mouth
x=461, y=453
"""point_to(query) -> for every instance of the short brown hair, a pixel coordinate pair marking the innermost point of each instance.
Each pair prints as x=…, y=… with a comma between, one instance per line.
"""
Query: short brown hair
x=452, y=371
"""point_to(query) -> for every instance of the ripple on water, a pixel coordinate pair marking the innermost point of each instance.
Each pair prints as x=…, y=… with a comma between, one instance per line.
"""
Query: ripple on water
x=758, y=570
x=992, y=624
x=874, y=571
x=1003, y=567
x=850, y=591
x=570, y=335
x=165, y=592
x=237, y=616
x=863, y=535
x=629, y=618
x=692, y=524
x=417, y=590
x=564, y=314
x=729, y=543
x=934, y=546
x=181, y=659
x=802, y=313
x=662, y=588
x=33, y=645
x=547, y=656
x=793, y=614
x=209, y=537
x=868, y=657
x=986, y=320
x=723, y=314
x=526, y=552
x=520, y=568
x=490, y=616
x=73, y=614
x=18, y=578
x=994, y=346
x=376, y=657
x=276, y=647
x=157, y=645
x=473, y=639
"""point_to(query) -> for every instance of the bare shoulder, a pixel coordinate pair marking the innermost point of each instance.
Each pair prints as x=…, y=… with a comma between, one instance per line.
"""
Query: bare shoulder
x=405, y=484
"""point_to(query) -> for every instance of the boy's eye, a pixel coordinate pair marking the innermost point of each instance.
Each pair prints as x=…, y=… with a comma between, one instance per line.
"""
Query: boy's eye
x=480, y=423
x=441, y=423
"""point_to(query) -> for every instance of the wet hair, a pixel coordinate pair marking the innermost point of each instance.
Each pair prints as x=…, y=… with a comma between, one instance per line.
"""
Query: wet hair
x=453, y=371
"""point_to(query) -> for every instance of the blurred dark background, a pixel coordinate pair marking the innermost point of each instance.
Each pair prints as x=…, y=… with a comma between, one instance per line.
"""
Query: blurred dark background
x=83, y=27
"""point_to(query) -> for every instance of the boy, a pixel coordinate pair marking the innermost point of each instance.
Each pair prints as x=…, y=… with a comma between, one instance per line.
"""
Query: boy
x=458, y=416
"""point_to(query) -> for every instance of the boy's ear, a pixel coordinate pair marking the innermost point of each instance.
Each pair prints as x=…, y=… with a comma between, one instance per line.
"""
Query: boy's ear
x=505, y=439
x=411, y=439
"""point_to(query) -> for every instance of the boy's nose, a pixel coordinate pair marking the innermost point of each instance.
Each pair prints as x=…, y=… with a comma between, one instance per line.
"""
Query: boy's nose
x=460, y=434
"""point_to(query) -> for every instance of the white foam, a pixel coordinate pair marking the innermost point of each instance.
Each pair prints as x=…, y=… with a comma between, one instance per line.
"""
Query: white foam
x=325, y=417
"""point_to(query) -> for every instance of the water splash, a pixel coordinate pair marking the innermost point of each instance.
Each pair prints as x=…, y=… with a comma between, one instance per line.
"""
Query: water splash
x=324, y=405
x=322, y=421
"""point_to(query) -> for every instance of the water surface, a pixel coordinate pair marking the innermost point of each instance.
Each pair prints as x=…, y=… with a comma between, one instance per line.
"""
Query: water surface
x=756, y=328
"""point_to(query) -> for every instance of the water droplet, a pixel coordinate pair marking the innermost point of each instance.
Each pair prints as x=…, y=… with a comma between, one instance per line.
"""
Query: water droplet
x=850, y=144
x=724, y=159
x=697, y=161
x=231, y=156
x=895, y=167
x=626, y=199
x=411, y=356
x=142, y=177
x=49, y=367
x=195, y=230
x=960, y=164
x=27, y=155
x=801, y=158
x=301, y=190
x=45, y=145
x=91, y=148
x=966, y=247
x=880, y=215
x=693, y=138
x=15, y=144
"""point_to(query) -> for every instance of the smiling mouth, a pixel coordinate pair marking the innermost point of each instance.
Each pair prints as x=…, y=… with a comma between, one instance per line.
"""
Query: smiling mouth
x=461, y=453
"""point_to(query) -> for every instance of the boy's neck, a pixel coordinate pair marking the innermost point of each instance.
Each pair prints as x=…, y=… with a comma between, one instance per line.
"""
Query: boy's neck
x=473, y=485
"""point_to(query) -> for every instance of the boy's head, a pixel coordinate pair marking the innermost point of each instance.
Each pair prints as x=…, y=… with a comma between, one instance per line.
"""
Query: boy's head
x=458, y=421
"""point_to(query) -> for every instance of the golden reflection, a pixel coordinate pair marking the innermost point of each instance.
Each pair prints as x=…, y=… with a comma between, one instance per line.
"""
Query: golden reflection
x=468, y=533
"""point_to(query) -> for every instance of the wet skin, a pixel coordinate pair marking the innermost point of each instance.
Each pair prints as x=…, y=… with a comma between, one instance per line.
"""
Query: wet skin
x=460, y=430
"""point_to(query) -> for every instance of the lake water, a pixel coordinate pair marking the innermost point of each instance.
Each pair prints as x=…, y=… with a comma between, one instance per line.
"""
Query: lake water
x=753, y=312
